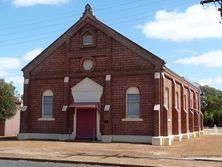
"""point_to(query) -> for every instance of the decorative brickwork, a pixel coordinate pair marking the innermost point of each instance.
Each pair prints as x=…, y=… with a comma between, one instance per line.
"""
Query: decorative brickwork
x=128, y=64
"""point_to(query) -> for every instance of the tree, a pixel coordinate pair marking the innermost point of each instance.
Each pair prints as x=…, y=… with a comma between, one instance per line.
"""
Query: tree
x=7, y=100
x=211, y=104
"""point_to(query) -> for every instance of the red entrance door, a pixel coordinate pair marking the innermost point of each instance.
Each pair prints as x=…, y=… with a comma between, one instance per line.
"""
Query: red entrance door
x=86, y=124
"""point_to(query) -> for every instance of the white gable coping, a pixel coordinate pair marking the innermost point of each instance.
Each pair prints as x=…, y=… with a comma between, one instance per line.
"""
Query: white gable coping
x=108, y=77
x=66, y=79
x=64, y=108
x=26, y=82
x=157, y=75
x=87, y=90
x=107, y=108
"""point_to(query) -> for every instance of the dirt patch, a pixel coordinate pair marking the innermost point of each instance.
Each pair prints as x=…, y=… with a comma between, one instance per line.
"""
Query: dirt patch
x=179, y=154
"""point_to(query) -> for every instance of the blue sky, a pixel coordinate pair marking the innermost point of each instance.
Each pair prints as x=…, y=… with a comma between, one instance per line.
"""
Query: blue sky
x=183, y=33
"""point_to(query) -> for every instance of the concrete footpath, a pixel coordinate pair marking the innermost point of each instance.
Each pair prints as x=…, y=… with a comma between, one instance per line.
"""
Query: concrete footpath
x=204, y=151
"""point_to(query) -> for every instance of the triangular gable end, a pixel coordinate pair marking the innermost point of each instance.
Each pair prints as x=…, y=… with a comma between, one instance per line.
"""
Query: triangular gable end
x=87, y=18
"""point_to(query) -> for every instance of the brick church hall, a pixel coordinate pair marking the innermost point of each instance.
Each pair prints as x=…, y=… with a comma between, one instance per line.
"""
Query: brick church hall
x=93, y=83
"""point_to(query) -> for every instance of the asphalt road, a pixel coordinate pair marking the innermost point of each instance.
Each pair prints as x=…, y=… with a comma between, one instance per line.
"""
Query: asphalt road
x=7, y=163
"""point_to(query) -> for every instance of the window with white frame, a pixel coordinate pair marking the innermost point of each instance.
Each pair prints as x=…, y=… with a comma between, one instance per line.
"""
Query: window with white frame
x=47, y=104
x=87, y=39
x=166, y=97
x=177, y=100
x=185, y=102
x=132, y=103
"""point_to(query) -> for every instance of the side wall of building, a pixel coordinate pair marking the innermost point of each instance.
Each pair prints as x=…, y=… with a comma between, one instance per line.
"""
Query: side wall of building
x=184, y=106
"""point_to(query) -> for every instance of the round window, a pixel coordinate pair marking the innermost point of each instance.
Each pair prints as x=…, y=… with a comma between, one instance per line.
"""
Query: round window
x=88, y=64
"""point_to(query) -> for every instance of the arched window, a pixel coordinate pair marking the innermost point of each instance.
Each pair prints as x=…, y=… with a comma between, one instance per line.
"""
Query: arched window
x=47, y=104
x=177, y=100
x=166, y=97
x=87, y=39
x=132, y=102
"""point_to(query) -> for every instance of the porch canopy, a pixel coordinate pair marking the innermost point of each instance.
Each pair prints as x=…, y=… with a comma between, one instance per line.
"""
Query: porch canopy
x=80, y=105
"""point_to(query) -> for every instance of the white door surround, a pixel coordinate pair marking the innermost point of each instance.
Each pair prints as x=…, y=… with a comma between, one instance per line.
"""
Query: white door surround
x=87, y=91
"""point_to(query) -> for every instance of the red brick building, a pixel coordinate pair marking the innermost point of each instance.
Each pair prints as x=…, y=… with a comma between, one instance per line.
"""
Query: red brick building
x=94, y=83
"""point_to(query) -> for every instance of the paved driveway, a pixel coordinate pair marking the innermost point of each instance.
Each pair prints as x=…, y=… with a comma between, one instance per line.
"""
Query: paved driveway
x=179, y=154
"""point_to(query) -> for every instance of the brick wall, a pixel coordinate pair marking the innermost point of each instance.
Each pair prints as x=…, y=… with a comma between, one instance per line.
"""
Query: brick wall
x=128, y=66
x=183, y=120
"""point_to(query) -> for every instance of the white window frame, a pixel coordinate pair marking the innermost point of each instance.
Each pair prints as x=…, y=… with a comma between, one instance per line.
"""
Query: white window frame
x=186, y=102
x=87, y=42
x=47, y=93
x=166, y=97
x=177, y=100
x=132, y=91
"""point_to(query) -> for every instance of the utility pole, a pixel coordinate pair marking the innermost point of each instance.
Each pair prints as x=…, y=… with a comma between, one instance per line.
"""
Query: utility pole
x=213, y=1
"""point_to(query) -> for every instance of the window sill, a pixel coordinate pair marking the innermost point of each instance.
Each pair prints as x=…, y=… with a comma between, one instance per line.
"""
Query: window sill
x=132, y=119
x=46, y=119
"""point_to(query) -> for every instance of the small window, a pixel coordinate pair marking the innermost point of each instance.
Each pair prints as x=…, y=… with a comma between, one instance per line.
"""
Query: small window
x=177, y=100
x=166, y=98
x=133, y=102
x=87, y=39
x=185, y=102
x=88, y=65
x=191, y=103
x=47, y=104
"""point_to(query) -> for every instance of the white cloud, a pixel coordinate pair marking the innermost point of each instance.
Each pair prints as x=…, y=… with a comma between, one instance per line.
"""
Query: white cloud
x=27, y=3
x=211, y=81
x=8, y=63
x=3, y=74
x=15, y=80
x=32, y=54
x=193, y=23
x=209, y=59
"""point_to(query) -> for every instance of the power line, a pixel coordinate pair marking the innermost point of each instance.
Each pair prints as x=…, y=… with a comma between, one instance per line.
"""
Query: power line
x=114, y=21
x=71, y=13
x=213, y=1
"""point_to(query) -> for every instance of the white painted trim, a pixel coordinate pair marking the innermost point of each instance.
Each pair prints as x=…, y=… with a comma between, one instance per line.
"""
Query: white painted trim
x=87, y=90
x=156, y=107
x=26, y=82
x=98, y=133
x=46, y=119
x=132, y=119
x=47, y=93
x=108, y=77
x=132, y=90
x=185, y=136
x=161, y=141
x=66, y=79
x=135, y=91
x=64, y=108
x=163, y=75
x=157, y=75
x=127, y=138
x=178, y=137
x=24, y=108
x=107, y=107
x=74, y=123
x=45, y=136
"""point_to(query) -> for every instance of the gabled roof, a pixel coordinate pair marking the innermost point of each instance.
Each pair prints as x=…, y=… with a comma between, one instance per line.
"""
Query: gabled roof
x=88, y=17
